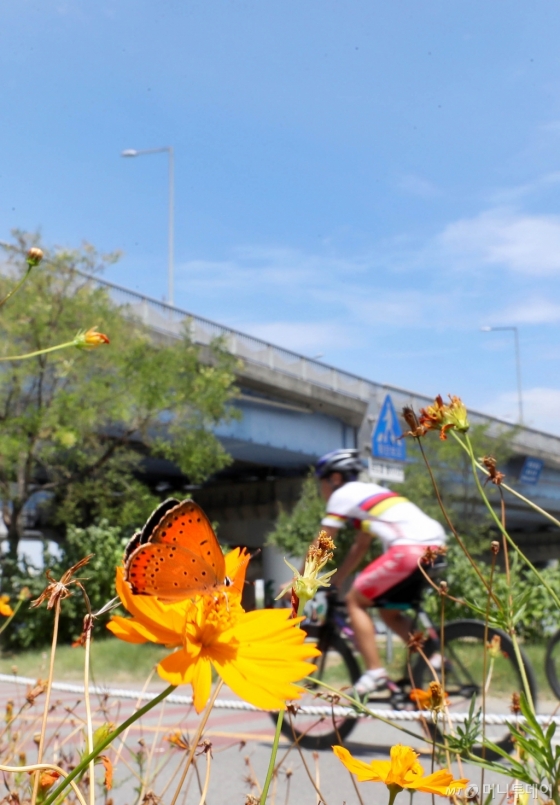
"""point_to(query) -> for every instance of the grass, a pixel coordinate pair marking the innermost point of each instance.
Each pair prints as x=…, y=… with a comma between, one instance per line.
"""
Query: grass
x=117, y=663
x=113, y=662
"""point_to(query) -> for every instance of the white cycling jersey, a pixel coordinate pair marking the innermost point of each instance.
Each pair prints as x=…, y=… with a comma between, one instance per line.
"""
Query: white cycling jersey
x=382, y=513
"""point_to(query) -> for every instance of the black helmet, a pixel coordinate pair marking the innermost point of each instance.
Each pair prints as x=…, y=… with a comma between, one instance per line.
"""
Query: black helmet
x=344, y=461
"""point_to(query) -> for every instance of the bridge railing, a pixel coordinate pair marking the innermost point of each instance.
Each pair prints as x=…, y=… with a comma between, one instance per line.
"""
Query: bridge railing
x=171, y=321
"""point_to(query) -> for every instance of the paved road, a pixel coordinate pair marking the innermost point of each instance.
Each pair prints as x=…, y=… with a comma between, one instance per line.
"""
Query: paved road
x=241, y=744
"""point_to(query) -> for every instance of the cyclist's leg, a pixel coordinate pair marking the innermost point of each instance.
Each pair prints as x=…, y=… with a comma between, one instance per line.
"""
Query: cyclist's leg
x=378, y=577
x=397, y=622
x=375, y=581
x=362, y=625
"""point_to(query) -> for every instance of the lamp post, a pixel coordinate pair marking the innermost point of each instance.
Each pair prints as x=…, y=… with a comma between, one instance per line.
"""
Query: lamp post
x=517, y=362
x=132, y=152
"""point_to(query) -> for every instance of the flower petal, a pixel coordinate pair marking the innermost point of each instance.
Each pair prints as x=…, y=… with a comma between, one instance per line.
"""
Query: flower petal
x=365, y=771
x=176, y=668
x=152, y=612
x=236, y=566
x=128, y=630
x=201, y=683
x=440, y=782
x=270, y=655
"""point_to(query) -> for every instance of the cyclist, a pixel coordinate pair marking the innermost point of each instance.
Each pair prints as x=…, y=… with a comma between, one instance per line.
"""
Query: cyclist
x=405, y=532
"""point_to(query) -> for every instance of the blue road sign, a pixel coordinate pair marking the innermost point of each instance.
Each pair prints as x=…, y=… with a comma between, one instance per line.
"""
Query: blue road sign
x=531, y=470
x=385, y=440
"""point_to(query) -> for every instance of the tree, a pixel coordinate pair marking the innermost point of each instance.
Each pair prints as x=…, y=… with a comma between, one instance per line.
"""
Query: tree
x=75, y=425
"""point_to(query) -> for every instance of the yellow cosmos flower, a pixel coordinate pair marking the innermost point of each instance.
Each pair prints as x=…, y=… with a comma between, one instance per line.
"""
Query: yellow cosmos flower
x=444, y=416
x=402, y=771
x=5, y=608
x=433, y=699
x=259, y=655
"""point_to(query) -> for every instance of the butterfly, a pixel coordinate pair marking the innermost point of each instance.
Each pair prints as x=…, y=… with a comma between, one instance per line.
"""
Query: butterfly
x=176, y=555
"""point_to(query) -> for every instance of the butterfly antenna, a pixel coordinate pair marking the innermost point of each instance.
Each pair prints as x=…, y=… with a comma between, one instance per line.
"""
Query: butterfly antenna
x=112, y=604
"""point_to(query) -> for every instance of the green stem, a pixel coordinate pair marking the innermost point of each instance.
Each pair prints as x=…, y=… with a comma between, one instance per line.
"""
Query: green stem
x=509, y=488
x=521, y=664
x=272, y=761
x=357, y=705
x=452, y=527
x=485, y=668
x=503, y=530
x=18, y=286
x=512, y=543
x=394, y=789
x=11, y=617
x=85, y=761
x=39, y=352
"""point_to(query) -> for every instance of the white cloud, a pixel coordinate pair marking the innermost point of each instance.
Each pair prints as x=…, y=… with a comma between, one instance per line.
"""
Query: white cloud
x=516, y=193
x=261, y=265
x=540, y=408
x=418, y=186
x=533, y=311
x=524, y=243
x=365, y=289
x=552, y=126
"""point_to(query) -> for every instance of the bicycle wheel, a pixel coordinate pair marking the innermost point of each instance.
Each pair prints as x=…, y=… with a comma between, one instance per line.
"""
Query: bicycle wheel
x=338, y=668
x=552, y=663
x=464, y=677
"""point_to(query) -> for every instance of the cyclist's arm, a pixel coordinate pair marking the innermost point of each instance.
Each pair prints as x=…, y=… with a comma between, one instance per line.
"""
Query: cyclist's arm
x=353, y=558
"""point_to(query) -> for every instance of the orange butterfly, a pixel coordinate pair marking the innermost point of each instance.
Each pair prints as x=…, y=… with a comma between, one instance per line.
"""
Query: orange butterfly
x=176, y=555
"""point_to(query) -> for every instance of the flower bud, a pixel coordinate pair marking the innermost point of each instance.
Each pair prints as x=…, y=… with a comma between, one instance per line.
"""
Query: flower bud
x=34, y=256
x=495, y=547
x=494, y=647
x=90, y=339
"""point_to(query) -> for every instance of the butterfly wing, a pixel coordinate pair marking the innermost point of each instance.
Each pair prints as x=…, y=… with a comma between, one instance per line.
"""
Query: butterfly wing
x=169, y=572
x=131, y=545
x=141, y=537
x=155, y=517
x=186, y=526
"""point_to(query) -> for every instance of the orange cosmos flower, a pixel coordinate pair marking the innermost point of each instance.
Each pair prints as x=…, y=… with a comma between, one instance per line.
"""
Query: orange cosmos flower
x=47, y=778
x=259, y=655
x=5, y=608
x=90, y=339
x=402, y=771
x=433, y=699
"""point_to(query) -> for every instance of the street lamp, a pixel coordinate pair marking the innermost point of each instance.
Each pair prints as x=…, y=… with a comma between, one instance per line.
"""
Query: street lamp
x=517, y=362
x=132, y=152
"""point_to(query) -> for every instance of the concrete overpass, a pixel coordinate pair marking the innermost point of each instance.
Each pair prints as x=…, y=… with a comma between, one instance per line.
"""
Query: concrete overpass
x=295, y=408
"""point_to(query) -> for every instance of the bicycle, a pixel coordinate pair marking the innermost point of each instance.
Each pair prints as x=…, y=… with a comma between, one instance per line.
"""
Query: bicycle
x=463, y=670
x=552, y=663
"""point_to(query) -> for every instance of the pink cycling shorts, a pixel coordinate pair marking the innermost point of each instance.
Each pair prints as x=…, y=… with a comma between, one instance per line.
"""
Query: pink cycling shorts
x=394, y=566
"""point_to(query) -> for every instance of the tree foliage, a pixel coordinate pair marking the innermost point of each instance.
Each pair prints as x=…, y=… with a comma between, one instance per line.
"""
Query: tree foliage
x=76, y=425
x=32, y=627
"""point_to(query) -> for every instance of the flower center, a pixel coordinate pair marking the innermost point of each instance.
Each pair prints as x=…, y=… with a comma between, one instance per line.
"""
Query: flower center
x=209, y=616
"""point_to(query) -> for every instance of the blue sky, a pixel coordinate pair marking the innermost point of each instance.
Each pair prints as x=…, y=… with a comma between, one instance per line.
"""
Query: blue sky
x=371, y=181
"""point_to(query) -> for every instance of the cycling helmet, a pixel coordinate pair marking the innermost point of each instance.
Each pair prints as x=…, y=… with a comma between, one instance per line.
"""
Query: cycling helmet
x=347, y=462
